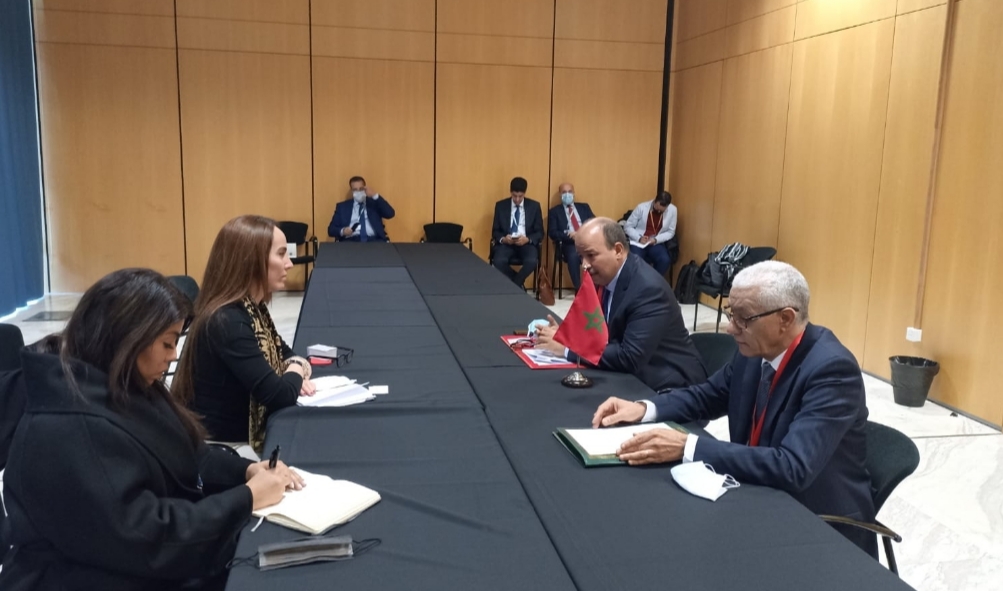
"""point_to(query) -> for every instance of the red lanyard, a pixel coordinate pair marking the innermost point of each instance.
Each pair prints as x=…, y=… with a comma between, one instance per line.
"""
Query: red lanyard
x=757, y=424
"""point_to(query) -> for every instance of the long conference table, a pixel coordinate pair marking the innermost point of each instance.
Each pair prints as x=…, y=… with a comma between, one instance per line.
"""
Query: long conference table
x=476, y=492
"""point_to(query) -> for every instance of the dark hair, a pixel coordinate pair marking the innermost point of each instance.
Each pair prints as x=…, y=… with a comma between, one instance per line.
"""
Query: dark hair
x=613, y=233
x=356, y=178
x=518, y=185
x=117, y=318
x=664, y=198
x=237, y=266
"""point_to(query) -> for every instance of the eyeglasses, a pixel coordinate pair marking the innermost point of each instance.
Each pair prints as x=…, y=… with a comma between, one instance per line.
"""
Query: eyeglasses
x=743, y=323
x=344, y=356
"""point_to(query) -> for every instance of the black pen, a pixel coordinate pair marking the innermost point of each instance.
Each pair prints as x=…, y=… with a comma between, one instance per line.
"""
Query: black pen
x=275, y=457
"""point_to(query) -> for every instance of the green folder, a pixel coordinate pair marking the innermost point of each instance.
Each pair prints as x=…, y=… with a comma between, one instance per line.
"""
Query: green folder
x=590, y=460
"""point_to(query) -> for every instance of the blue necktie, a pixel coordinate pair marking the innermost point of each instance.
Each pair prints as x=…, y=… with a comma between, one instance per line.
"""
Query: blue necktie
x=363, y=233
x=606, y=295
x=763, y=394
x=515, y=220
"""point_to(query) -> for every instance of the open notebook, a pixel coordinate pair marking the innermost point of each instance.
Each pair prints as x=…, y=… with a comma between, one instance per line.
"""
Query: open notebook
x=598, y=447
x=336, y=391
x=322, y=504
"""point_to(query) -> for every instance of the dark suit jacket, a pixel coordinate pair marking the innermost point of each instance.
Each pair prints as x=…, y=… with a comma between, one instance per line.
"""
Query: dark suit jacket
x=647, y=336
x=812, y=445
x=12, y=401
x=503, y=220
x=229, y=368
x=107, y=498
x=377, y=210
x=557, y=220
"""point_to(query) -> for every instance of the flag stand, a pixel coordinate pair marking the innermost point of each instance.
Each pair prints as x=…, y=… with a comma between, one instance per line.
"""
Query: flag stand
x=577, y=379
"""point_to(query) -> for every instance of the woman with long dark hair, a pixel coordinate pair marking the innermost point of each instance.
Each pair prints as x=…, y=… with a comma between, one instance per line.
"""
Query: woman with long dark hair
x=235, y=369
x=109, y=484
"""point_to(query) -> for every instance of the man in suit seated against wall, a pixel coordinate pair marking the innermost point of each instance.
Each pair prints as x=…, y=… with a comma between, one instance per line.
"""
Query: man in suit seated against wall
x=653, y=224
x=647, y=335
x=563, y=222
x=360, y=217
x=794, y=398
x=517, y=232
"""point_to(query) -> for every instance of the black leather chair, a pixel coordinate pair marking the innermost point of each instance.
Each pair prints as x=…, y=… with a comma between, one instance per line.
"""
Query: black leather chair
x=186, y=285
x=11, y=343
x=891, y=457
x=446, y=233
x=557, y=279
x=296, y=233
x=516, y=261
x=715, y=349
x=756, y=254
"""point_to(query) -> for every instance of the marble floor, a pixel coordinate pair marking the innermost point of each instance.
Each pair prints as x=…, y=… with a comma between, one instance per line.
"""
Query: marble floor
x=949, y=512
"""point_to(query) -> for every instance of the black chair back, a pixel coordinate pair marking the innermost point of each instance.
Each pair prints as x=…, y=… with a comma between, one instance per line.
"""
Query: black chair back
x=11, y=343
x=295, y=232
x=443, y=232
x=186, y=285
x=891, y=457
x=758, y=254
x=716, y=349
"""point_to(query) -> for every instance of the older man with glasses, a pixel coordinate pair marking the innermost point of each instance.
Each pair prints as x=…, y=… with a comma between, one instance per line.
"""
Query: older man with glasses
x=794, y=398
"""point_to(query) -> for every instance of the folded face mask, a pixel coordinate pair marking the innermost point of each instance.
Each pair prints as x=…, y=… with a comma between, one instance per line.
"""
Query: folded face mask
x=700, y=479
x=531, y=330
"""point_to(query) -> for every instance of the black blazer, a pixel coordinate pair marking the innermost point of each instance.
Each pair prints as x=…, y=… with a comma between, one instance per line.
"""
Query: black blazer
x=813, y=443
x=503, y=220
x=647, y=336
x=108, y=498
x=229, y=369
x=557, y=220
x=12, y=401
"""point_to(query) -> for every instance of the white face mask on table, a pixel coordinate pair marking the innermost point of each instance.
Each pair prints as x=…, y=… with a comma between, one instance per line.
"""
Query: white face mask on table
x=700, y=479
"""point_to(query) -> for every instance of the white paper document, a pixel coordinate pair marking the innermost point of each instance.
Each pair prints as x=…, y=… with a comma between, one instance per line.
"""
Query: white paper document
x=601, y=442
x=336, y=391
x=322, y=504
x=638, y=244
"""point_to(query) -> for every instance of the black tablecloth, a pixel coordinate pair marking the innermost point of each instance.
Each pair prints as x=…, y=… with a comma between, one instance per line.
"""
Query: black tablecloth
x=453, y=515
x=451, y=269
x=358, y=254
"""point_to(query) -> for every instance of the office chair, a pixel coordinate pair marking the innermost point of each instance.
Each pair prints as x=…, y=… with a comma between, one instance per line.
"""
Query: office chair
x=11, y=343
x=891, y=457
x=756, y=254
x=446, y=233
x=296, y=233
x=715, y=349
x=518, y=261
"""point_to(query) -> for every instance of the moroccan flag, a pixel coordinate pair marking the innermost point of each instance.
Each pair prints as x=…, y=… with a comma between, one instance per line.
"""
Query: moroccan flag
x=584, y=328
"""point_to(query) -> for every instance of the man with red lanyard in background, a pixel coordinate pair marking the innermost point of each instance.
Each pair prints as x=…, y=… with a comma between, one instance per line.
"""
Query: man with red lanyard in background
x=794, y=398
x=650, y=227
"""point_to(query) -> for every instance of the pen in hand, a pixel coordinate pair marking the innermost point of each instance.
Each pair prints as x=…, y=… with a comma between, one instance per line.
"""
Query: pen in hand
x=275, y=457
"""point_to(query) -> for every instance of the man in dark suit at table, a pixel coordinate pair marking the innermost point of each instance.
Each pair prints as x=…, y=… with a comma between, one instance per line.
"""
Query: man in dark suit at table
x=795, y=403
x=517, y=232
x=360, y=217
x=562, y=223
x=647, y=335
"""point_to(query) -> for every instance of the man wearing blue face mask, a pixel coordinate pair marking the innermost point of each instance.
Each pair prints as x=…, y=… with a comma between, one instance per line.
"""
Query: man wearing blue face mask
x=564, y=220
x=360, y=217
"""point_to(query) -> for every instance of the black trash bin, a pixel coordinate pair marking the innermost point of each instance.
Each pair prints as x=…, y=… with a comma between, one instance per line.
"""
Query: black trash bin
x=911, y=379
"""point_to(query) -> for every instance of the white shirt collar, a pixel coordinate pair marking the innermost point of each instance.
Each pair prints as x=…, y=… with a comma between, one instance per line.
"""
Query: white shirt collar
x=775, y=362
x=612, y=284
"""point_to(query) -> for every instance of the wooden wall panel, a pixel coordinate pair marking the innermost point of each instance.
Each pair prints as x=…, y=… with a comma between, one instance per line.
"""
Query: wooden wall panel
x=397, y=15
x=494, y=50
x=243, y=36
x=743, y=10
x=383, y=133
x=492, y=124
x=93, y=28
x=112, y=153
x=609, y=55
x=637, y=21
x=816, y=17
x=697, y=17
x=293, y=12
x=906, y=6
x=961, y=320
x=149, y=7
x=832, y=164
x=905, y=174
x=762, y=32
x=701, y=50
x=245, y=126
x=412, y=46
x=605, y=141
x=754, y=93
x=515, y=18
x=694, y=159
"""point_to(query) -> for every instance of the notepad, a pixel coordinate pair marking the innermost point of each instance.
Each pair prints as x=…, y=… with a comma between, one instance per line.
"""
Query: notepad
x=336, y=391
x=322, y=504
x=598, y=447
x=638, y=244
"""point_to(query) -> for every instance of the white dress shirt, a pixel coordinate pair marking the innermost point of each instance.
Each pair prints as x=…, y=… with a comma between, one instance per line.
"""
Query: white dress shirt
x=569, y=215
x=357, y=213
x=522, y=218
x=691, y=440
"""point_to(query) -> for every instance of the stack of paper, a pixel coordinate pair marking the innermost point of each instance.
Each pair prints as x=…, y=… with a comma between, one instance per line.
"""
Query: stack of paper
x=336, y=391
x=322, y=504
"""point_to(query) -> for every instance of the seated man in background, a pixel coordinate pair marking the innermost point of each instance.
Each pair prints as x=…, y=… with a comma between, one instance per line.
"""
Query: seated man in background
x=517, y=232
x=794, y=398
x=360, y=217
x=647, y=336
x=652, y=225
x=564, y=220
